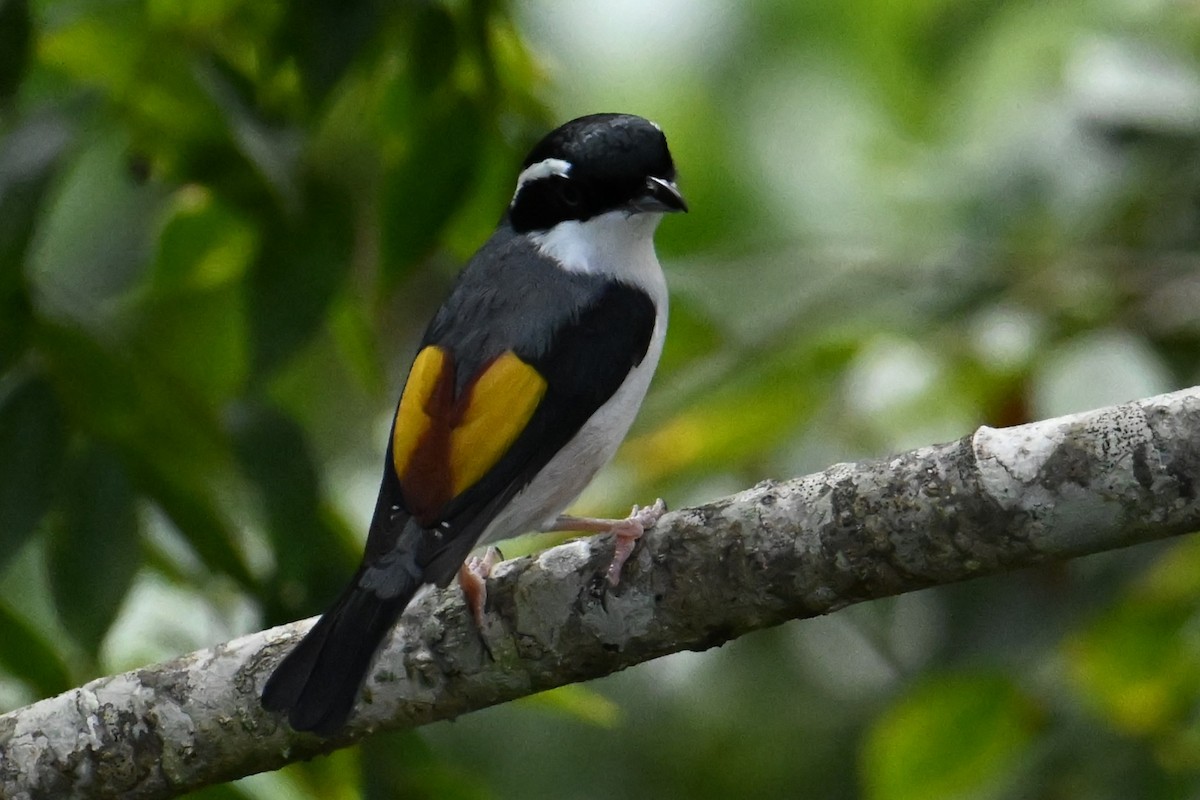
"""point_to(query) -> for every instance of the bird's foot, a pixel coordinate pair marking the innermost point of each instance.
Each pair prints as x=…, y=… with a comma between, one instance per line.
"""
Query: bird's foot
x=472, y=578
x=627, y=532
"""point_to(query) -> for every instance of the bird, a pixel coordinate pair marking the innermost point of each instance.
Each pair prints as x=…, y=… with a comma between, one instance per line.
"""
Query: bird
x=524, y=383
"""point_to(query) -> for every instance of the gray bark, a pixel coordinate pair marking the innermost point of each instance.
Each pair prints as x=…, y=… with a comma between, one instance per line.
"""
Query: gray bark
x=990, y=502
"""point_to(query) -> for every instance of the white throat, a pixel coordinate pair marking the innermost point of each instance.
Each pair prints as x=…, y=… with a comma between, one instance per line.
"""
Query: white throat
x=616, y=243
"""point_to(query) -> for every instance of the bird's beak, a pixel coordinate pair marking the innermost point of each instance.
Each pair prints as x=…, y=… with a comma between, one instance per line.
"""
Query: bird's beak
x=660, y=195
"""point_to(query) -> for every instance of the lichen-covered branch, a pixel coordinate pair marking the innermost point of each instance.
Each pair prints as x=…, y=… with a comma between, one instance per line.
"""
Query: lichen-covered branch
x=990, y=502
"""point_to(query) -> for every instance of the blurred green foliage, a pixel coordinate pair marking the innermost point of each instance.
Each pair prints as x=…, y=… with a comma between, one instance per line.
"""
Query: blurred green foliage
x=223, y=224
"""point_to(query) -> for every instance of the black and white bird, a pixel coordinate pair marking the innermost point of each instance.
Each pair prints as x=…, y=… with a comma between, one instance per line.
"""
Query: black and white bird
x=524, y=384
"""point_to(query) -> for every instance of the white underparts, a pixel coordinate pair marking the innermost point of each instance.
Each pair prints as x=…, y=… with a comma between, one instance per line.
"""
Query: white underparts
x=570, y=471
x=617, y=243
x=621, y=246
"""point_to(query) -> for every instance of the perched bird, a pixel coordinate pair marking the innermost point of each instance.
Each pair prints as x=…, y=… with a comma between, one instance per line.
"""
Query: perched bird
x=526, y=380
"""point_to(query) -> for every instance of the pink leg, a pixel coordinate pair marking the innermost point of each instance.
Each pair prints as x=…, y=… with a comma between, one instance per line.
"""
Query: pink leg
x=627, y=531
x=472, y=578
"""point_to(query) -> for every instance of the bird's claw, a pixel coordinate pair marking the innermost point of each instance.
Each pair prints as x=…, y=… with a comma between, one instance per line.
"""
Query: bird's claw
x=627, y=531
x=472, y=578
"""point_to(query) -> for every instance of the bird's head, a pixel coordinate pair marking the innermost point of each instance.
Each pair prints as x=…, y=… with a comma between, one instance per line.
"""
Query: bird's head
x=591, y=166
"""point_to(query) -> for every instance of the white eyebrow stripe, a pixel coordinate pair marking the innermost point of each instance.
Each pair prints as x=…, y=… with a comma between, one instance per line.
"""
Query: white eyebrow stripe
x=542, y=169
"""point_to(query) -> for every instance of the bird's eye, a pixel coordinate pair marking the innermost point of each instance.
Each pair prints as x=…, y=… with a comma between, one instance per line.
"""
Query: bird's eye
x=569, y=193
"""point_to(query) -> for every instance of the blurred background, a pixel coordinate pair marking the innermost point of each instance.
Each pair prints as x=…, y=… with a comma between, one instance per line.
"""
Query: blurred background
x=224, y=224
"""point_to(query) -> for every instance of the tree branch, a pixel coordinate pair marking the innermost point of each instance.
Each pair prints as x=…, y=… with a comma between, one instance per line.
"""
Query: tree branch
x=987, y=503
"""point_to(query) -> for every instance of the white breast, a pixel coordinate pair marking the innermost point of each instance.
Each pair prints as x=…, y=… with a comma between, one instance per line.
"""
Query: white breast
x=620, y=246
x=616, y=243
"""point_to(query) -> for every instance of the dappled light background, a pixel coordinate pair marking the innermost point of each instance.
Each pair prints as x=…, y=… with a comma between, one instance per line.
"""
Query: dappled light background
x=223, y=226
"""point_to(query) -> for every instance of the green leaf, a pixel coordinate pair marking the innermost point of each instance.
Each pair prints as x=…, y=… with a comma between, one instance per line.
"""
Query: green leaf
x=190, y=320
x=313, y=558
x=146, y=76
x=225, y=791
x=579, y=702
x=303, y=265
x=430, y=184
x=193, y=509
x=324, y=37
x=29, y=156
x=198, y=339
x=752, y=409
x=948, y=737
x=16, y=319
x=434, y=46
x=96, y=50
x=203, y=243
x=272, y=149
x=403, y=765
x=33, y=443
x=1138, y=663
x=694, y=335
x=15, y=30
x=170, y=444
x=94, y=549
x=95, y=234
x=27, y=654
x=350, y=325
x=125, y=401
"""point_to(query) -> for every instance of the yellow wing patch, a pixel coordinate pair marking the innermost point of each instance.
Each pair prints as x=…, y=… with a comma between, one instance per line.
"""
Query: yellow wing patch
x=412, y=420
x=499, y=406
x=442, y=445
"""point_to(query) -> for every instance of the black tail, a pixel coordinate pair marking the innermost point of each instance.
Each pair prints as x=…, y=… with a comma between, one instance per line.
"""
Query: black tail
x=317, y=683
